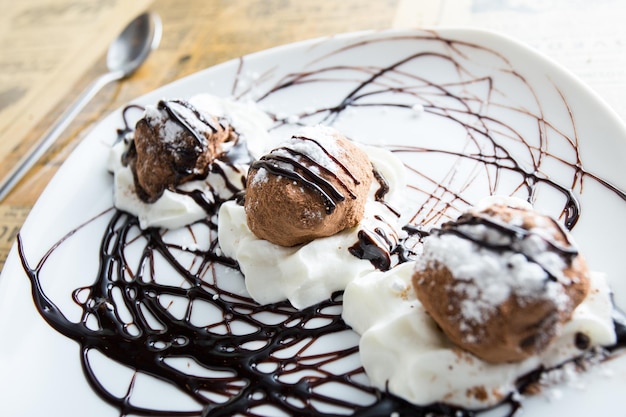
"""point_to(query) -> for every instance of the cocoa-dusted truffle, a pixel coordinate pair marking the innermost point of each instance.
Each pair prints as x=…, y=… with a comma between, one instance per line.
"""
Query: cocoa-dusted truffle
x=174, y=143
x=501, y=280
x=313, y=185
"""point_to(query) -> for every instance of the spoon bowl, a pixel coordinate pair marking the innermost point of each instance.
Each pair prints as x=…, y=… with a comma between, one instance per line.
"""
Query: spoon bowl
x=131, y=48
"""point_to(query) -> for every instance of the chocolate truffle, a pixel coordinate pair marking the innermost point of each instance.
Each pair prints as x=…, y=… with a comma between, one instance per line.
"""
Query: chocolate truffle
x=313, y=185
x=173, y=143
x=501, y=280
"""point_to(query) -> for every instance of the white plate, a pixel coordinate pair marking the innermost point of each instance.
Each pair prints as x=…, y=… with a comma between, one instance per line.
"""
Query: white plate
x=476, y=89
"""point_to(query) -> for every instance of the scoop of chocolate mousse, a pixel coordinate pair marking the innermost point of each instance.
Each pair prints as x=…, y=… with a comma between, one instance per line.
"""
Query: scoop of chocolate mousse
x=173, y=143
x=500, y=281
x=313, y=185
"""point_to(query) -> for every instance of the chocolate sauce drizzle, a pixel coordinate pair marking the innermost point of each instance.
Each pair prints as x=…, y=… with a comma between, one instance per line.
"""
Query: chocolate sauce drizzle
x=250, y=368
x=376, y=246
x=566, y=251
x=170, y=107
x=303, y=169
x=253, y=356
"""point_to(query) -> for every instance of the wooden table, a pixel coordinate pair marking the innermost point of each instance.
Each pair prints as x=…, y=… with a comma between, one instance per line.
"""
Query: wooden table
x=50, y=50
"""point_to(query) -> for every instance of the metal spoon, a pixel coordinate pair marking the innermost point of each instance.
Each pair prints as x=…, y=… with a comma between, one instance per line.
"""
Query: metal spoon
x=126, y=53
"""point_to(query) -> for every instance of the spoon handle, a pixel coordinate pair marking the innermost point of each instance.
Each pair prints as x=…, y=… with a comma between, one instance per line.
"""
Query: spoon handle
x=27, y=162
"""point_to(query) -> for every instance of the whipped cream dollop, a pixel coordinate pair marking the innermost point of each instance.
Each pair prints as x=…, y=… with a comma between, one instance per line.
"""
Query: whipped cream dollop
x=310, y=273
x=177, y=208
x=404, y=351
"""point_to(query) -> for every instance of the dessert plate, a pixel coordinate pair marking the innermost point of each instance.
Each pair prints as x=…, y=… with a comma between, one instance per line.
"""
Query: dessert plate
x=471, y=113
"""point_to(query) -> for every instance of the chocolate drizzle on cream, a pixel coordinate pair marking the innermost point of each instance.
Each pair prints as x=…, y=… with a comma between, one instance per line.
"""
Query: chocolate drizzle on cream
x=274, y=362
x=375, y=245
x=380, y=242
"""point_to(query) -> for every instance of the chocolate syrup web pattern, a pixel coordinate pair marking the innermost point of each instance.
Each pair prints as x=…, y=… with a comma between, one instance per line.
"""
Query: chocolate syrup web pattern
x=174, y=314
